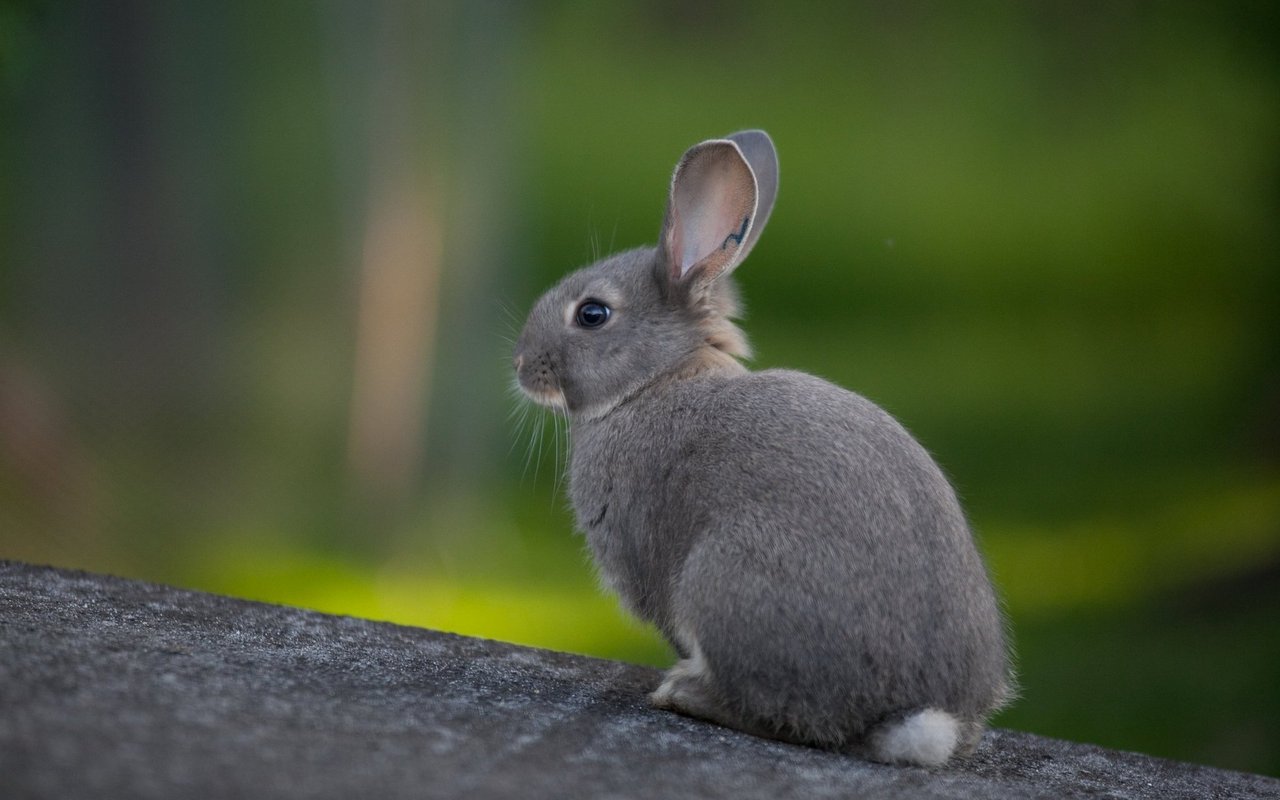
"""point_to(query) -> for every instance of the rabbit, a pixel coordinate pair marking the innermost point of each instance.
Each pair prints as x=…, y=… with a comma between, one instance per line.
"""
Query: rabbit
x=801, y=552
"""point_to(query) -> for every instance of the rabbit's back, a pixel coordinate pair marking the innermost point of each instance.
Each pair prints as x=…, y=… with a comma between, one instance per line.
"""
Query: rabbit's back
x=799, y=537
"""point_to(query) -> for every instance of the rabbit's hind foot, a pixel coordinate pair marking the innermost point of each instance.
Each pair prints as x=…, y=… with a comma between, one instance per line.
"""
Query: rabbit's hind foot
x=684, y=687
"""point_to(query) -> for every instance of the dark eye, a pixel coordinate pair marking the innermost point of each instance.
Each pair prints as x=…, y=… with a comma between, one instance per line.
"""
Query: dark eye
x=592, y=314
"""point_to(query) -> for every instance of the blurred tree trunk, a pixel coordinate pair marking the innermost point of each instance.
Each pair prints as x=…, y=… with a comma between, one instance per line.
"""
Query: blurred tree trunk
x=487, y=244
x=400, y=260
x=439, y=233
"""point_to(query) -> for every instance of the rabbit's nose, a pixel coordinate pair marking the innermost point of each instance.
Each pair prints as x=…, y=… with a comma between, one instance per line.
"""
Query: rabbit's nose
x=518, y=361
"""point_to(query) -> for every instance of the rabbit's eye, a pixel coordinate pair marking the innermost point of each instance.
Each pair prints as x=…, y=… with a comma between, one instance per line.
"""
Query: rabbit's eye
x=592, y=314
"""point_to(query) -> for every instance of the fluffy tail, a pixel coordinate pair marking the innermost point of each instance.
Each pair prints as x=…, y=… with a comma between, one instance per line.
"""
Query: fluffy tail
x=925, y=738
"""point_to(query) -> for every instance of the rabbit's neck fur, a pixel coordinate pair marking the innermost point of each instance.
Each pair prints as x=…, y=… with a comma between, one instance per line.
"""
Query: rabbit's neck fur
x=705, y=361
x=711, y=358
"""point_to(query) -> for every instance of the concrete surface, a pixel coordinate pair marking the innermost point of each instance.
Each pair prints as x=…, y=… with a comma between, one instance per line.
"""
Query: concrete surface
x=114, y=688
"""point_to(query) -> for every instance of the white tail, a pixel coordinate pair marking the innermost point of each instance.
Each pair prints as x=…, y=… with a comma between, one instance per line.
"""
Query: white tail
x=926, y=738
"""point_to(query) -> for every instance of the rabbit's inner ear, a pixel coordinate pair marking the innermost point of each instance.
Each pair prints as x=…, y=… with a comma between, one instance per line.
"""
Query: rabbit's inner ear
x=711, y=211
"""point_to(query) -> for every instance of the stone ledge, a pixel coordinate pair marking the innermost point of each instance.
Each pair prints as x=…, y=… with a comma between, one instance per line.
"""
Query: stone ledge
x=118, y=688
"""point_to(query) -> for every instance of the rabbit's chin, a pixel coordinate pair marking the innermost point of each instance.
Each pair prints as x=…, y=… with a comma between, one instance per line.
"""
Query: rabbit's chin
x=548, y=398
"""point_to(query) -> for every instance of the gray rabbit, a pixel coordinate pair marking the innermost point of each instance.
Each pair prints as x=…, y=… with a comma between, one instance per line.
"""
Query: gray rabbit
x=800, y=550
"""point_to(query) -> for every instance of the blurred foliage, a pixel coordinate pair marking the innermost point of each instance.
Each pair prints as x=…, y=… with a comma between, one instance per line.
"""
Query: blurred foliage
x=1044, y=235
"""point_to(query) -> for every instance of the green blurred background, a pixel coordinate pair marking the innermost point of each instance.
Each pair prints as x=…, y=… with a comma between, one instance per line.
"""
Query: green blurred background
x=261, y=265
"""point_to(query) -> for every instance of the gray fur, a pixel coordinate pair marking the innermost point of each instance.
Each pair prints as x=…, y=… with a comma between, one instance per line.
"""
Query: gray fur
x=799, y=549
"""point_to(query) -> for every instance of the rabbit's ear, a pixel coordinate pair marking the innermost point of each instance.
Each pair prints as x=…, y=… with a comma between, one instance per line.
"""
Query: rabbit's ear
x=757, y=148
x=718, y=205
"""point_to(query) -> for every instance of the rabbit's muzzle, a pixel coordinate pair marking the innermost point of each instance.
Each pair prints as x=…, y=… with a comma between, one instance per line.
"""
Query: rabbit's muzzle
x=538, y=380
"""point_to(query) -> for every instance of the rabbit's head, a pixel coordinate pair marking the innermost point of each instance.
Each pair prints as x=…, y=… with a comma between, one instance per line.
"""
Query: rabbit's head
x=610, y=329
